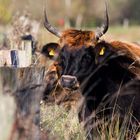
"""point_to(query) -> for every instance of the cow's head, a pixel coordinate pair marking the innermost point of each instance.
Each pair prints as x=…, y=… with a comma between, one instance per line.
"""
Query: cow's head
x=78, y=53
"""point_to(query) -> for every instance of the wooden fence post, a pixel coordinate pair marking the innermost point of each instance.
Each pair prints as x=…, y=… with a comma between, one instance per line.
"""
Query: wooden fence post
x=7, y=109
x=26, y=86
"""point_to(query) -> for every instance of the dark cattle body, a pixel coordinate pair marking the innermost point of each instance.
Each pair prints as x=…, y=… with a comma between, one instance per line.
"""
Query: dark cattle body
x=105, y=73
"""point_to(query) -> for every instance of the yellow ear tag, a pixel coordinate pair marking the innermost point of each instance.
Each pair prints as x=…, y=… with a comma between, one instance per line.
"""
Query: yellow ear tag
x=102, y=51
x=51, y=53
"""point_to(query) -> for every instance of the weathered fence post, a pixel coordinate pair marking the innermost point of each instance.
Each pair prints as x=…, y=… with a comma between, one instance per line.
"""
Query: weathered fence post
x=26, y=86
x=19, y=57
x=7, y=109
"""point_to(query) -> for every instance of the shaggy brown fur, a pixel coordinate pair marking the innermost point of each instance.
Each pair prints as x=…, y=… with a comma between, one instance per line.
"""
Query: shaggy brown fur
x=77, y=38
x=74, y=39
x=132, y=51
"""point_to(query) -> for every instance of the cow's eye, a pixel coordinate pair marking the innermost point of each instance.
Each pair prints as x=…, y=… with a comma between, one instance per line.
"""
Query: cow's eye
x=86, y=60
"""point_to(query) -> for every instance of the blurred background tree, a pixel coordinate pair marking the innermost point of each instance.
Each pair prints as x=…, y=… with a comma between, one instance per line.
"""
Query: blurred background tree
x=5, y=11
x=77, y=13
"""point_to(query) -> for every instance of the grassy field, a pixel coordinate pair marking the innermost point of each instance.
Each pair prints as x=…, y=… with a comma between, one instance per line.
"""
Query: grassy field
x=63, y=125
x=60, y=124
x=131, y=34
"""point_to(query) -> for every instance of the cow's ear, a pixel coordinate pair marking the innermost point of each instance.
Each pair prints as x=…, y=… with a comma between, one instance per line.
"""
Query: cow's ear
x=102, y=51
x=51, y=50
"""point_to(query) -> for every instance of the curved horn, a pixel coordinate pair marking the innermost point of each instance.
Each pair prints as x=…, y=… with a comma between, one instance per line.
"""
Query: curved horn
x=103, y=29
x=49, y=27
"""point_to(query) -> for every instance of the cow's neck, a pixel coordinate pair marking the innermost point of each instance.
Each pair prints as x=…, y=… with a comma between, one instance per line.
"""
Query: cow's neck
x=106, y=81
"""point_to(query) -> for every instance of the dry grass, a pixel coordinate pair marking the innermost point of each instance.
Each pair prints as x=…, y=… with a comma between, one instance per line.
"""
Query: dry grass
x=63, y=125
x=60, y=124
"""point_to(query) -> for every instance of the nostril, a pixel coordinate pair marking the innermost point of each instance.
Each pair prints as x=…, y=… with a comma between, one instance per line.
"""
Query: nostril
x=73, y=81
x=68, y=81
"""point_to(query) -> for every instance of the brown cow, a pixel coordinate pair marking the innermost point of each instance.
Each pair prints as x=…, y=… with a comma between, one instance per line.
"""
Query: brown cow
x=86, y=66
